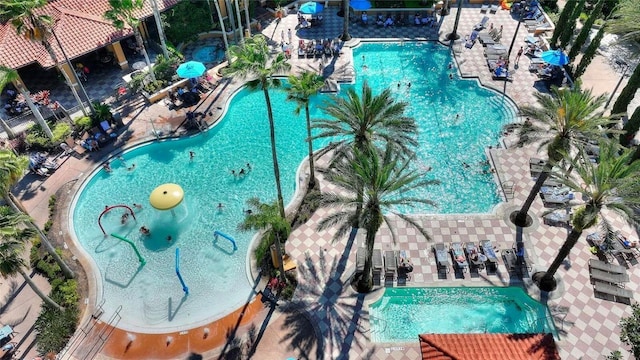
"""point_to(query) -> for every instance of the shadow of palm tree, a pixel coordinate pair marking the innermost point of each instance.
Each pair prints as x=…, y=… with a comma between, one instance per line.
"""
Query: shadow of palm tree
x=328, y=303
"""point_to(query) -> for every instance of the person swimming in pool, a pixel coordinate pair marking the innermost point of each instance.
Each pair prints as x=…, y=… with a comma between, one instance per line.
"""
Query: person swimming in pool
x=145, y=230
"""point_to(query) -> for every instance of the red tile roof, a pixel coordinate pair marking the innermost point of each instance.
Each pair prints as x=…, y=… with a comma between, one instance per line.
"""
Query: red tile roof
x=79, y=25
x=488, y=347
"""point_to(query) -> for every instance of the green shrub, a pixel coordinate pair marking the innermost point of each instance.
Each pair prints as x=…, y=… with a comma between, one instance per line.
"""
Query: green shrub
x=102, y=113
x=54, y=328
x=52, y=204
x=69, y=292
x=34, y=254
x=137, y=81
x=165, y=69
x=36, y=139
x=47, y=226
x=154, y=86
x=50, y=270
x=262, y=252
x=84, y=123
x=583, y=17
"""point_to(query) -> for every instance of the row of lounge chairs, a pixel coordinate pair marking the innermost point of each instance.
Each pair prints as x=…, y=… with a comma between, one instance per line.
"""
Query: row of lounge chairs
x=465, y=257
x=318, y=48
x=609, y=281
x=493, y=8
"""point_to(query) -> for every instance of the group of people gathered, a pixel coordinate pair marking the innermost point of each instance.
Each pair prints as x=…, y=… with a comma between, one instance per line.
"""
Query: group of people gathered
x=398, y=20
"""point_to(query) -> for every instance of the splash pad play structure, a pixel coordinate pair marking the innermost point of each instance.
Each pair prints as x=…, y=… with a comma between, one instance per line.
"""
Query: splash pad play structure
x=156, y=249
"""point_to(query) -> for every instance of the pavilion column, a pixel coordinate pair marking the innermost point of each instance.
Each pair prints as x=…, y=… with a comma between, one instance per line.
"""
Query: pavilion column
x=120, y=57
x=72, y=79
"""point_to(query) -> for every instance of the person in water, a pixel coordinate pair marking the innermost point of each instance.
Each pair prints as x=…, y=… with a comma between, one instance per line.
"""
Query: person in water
x=145, y=231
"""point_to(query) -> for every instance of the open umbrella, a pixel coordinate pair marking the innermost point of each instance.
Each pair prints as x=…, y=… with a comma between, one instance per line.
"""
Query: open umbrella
x=191, y=69
x=555, y=57
x=311, y=8
x=360, y=5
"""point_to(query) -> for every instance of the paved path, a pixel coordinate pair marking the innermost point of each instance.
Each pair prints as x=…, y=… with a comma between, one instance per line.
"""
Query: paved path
x=337, y=313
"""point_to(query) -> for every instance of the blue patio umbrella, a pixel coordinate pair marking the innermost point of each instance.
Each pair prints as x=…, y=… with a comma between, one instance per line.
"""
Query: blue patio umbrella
x=311, y=8
x=191, y=69
x=360, y=5
x=555, y=57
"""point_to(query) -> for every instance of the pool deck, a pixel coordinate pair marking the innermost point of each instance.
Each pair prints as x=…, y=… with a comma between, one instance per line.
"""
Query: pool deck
x=324, y=298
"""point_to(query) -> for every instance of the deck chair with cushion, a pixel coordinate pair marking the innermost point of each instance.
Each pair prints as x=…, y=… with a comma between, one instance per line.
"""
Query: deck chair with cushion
x=484, y=8
x=487, y=249
x=493, y=9
x=442, y=257
x=457, y=253
x=390, y=266
x=377, y=266
x=472, y=253
x=482, y=24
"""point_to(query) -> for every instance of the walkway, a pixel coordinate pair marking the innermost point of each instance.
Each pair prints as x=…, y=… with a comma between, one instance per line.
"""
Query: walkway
x=324, y=297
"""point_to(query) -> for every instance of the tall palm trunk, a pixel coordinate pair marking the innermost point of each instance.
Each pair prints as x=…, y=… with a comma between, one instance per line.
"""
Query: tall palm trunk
x=39, y=292
x=224, y=31
x=521, y=217
x=54, y=57
x=345, y=21
x=274, y=154
x=36, y=112
x=7, y=129
x=366, y=282
x=312, y=171
x=239, y=21
x=142, y=48
x=18, y=208
x=564, y=251
x=247, y=19
x=156, y=16
x=276, y=171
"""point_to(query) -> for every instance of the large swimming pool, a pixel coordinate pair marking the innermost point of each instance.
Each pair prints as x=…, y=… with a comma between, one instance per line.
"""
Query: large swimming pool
x=404, y=313
x=151, y=296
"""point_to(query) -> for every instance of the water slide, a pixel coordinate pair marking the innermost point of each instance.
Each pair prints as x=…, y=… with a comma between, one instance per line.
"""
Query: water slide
x=184, y=286
x=228, y=237
x=140, y=258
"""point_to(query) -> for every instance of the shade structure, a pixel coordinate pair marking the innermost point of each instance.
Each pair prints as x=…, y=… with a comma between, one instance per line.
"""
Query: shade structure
x=311, y=8
x=166, y=196
x=555, y=57
x=191, y=69
x=360, y=5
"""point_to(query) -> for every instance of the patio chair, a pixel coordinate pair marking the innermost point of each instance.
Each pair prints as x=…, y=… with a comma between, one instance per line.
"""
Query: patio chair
x=377, y=266
x=471, y=251
x=390, y=266
x=487, y=249
x=484, y=8
x=482, y=24
x=493, y=9
x=457, y=253
x=442, y=257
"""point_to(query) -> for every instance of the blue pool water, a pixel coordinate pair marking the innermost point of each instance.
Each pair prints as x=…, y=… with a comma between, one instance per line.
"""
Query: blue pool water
x=404, y=313
x=152, y=297
x=208, y=54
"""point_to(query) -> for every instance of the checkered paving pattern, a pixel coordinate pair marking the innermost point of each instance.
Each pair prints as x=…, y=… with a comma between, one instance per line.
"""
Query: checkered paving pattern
x=587, y=326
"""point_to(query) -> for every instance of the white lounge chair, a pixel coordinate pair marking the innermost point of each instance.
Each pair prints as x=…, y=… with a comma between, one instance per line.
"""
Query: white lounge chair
x=484, y=8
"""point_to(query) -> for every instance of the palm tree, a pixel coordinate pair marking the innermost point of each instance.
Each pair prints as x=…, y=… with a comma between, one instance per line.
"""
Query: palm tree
x=357, y=123
x=38, y=28
x=612, y=184
x=11, y=250
x=625, y=20
x=123, y=13
x=302, y=88
x=266, y=217
x=12, y=168
x=384, y=179
x=345, y=21
x=253, y=59
x=566, y=119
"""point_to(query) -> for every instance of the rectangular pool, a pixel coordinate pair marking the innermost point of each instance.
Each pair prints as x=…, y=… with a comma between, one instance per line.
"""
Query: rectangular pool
x=404, y=313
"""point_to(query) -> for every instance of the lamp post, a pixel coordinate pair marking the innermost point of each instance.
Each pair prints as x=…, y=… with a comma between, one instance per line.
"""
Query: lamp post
x=613, y=93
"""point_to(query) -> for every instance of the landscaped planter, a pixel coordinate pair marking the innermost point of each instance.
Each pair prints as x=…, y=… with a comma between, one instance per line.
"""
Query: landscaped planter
x=155, y=97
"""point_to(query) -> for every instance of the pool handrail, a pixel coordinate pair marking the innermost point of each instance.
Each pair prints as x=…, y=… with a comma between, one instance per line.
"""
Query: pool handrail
x=226, y=236
x=185, y=288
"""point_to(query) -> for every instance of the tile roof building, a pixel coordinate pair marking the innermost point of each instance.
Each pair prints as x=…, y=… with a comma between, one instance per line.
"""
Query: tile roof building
x=80, y=26
x=488, y=347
